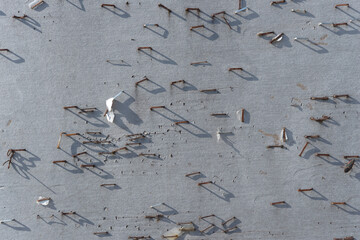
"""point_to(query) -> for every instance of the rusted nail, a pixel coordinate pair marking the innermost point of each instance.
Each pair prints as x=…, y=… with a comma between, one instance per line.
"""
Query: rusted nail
x=11, y=153
x=342, y=95
x=17, y=150
x=179, y=81
x=312, y=136
x=199, y=26
x=230, y=229
x=305, y=190
x=150, y=25
x=20, y=17
x=338, y=203
x=209, y=90
x=78, y=154
x=345, y=238
x=157, y=217
x=135, y=134
x=58, y=145
x=302, y=151
x=87, y=165
x=322, y=155
x=181, y=122
x=37, y=4
x=283, y=136
x=96, y=142
x=108, y=5
x=162, y=6
x=275, y=146
x=202, y=183
x=212, y=215
x=319, y=98
x=43, y=199
x=192, y=9
x=276, y=38
x=351, y=156
x=276, y=203
x=349, y=166
x=142, y=48
x=143, y=80
x=68, y=107
x=155, y=107
x=131, y=144
x=342, y=5
x=59, y=161
x=101, y=233
x=147, y=154
x=141, y=237
x=6, y=220
x=264, y=33
x=134, y=139
x=86, y=110
x=233, y=69
x=211, y=225
x=218, y=114
x=93, y=133
x=226, y=21
x=114, y=152
x=242, y=115
x=339, y=24
x=197, y=63
x=68, y=213
x=213, y=15
x=191, y=174
x=106, y=111
x=320, y=120
x=277, y=2
x=71, y=134
x=4, y=50
x=240, y=5
x=108, y=184
x=224, y=223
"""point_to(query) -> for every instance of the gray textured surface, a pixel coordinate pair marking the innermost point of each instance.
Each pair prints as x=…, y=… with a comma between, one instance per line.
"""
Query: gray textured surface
x=58, y=58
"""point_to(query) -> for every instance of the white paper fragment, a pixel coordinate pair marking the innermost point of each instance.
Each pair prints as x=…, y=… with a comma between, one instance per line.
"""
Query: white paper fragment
x=283, y=135
x=35, y=3
x=188, y=227
x=43, y=201
x=173, y=234
x=110, y=115
x=218, y=136
x=238, y=114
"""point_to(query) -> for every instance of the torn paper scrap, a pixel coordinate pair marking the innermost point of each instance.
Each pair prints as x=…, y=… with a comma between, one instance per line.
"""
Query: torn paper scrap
x=43, y=201
x=35, y=3
x=110, y=115
x=173, y=234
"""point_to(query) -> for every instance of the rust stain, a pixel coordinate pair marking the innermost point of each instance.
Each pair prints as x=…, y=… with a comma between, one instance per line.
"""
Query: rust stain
x=275, y=136
x=301, y=86
x=323, y=37
x=8, y=123
x=309, y=106
x=319, y=43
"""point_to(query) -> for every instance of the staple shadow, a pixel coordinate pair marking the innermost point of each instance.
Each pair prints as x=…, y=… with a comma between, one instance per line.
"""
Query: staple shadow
x=249, y=14
x=161, y=58
x=17, y=226
x=342, y=30
x=245, y=75
x=164, y=34
x=209, y=34
x=317, y=196
x=13, y=57
x=81, y=7
x=118, y=12
x=30, y=22
x=41, y=7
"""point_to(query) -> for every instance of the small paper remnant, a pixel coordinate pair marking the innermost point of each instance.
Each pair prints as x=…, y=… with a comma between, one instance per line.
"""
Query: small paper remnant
x=218, y=136
x=238, y=114
x=283, y=135
x=173, y=234
x=43, y=201
x=35, y=3
x=110, y=115
x=188, y=227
